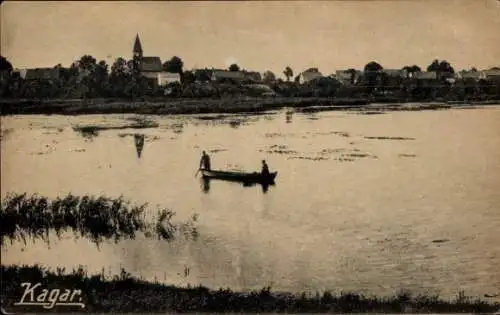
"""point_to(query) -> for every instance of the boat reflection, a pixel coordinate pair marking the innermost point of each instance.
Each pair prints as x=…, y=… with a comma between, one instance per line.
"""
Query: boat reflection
x=205, y=185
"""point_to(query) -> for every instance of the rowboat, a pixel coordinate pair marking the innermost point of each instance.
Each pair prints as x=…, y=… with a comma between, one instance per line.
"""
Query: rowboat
x=240, y=176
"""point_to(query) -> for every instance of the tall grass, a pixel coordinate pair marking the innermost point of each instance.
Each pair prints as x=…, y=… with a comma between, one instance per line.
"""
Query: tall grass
x=24, y=216
x=124, y=293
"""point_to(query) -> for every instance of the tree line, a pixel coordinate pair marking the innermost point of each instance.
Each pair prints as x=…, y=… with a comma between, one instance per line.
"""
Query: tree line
x=89, y=78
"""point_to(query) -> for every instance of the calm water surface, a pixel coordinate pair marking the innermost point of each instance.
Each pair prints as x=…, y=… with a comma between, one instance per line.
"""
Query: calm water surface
x=371, y=203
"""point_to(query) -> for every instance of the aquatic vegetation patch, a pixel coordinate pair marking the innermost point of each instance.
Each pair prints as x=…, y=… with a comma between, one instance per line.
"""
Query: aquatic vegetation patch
x=77, y=150
x=311, y=158
x=359, y=155
x=212, y=117
x=278, y=134
x=278, y=151
x=99, y=218
x=126, y=294
x=332, y=151
x=390, y=138
x=217, y=150
x=346, y=155
x=338, y=133
x=444, y=240
x=403, y=155
x=344, y=159
x=235, y=123
x=371, y=113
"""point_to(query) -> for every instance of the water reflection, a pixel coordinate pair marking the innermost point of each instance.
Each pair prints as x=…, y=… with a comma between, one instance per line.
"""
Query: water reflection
x=205, y=184
x=139, y=143
x=89, y=134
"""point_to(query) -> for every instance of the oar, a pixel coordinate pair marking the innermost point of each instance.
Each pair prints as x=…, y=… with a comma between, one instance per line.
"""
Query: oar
x=196, y=174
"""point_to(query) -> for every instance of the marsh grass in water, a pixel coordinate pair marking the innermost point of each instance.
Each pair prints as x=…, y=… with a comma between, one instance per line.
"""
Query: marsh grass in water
x=96, y=218
x=124, y=293
x=389, y=138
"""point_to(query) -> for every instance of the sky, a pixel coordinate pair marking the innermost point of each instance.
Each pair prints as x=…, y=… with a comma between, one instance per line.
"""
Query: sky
x=257, y=35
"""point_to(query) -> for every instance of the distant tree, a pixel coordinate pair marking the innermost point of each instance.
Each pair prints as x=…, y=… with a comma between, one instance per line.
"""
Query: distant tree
x=288, y=72
x=495, y=68
x=473, y=69
x=440, y=66
x=119, y=67
x=434, y=66
x=373, y=67
x=203, y=75
x=234, y=67
x=269, y=77
x=174, y=65
x=352, y=72
x=372, y=75
x=101, y=77
x=312, y=70
x=188, y=77
x=5, y=65
x=411, y=70
x=446, y=67
x=87, y=62
x=5, y=77
x=120, y=76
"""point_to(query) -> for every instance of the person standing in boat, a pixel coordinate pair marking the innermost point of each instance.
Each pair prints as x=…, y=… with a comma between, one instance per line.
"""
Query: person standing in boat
x=205, y=161
x=265, y=169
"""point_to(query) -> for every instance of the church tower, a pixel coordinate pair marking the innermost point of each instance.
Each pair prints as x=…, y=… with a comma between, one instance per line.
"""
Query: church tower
x=137, y=55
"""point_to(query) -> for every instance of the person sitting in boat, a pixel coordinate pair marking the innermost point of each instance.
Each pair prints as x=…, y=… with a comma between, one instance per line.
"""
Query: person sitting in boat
x=205, y=161
x=265, y=169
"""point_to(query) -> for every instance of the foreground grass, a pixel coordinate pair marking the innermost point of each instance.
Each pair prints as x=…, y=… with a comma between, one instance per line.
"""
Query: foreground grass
x=124, y=293
x=24, y=216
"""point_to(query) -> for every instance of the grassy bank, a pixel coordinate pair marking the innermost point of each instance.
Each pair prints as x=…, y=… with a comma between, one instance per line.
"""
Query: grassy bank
x=162, y=106
x=24, y=217
x=124, y=293
x=165, y=106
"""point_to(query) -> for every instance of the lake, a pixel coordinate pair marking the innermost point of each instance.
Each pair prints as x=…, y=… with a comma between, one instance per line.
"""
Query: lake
x=366, y=202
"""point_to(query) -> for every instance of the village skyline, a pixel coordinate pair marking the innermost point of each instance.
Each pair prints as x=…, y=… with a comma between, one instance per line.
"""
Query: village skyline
x=465, y=40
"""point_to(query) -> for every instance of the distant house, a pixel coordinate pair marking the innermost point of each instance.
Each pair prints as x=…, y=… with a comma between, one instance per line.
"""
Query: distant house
x=448, y=76
x=429, y=75
x=40, y=74
x=253, y=76
x=468, y=75
x=308, y=76
x=347, y=77
x=165, y=78
x=395, y=73
x=492, y=75
x=224, y=75
x=202, y=75
x=151, y=64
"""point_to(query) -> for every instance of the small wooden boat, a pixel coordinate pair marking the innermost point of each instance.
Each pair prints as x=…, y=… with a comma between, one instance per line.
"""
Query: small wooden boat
x=240, y=176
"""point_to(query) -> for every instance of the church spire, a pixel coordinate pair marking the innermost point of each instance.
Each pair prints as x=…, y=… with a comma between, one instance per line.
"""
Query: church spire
x=137, y=46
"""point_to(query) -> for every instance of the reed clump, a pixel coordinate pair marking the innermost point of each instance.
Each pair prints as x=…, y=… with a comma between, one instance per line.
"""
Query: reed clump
x=125, y=293
x=24, y=216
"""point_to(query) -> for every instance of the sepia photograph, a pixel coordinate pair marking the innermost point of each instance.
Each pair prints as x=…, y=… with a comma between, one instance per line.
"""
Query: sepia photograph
x=250, y=156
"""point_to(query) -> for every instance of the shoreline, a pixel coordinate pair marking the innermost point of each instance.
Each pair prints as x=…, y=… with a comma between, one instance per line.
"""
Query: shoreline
x=125, y=293
x=165, y=106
